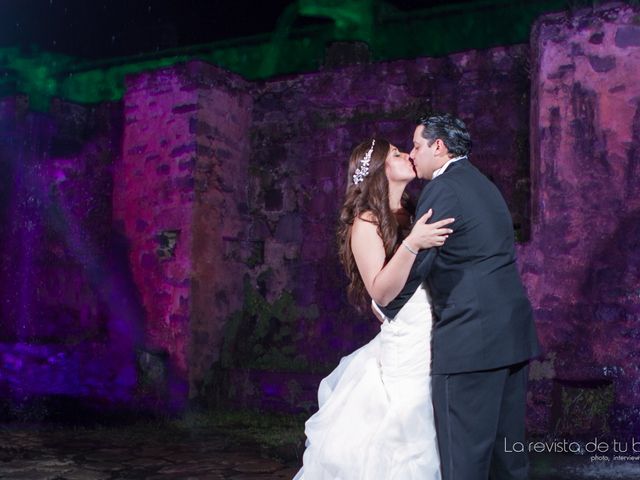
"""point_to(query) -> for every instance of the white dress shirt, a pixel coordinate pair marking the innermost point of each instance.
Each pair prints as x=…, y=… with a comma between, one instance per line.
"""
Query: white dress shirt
x=441, y=170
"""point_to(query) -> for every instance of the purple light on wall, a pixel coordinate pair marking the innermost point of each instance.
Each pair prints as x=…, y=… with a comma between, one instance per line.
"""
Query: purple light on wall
x=23, y=249
x=75, y=325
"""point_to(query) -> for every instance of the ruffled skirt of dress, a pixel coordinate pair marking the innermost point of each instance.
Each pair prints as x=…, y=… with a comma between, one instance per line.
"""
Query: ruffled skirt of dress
x=370, y=425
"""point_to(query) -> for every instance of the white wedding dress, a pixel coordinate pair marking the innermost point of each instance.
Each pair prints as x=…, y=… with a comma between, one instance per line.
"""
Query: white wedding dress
x=375, y=418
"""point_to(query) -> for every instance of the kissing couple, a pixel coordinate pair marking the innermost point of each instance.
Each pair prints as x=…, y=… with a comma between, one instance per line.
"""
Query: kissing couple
x=441, y=389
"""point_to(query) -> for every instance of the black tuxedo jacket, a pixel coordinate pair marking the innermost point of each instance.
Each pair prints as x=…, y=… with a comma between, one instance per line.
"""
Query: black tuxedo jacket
x=482, y=317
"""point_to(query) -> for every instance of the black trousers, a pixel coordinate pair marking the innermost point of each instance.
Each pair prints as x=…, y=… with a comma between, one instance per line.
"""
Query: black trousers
x=479, y=417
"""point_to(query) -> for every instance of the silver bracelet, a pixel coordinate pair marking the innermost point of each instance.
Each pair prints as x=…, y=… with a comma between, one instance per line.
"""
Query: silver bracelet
x=409, y=248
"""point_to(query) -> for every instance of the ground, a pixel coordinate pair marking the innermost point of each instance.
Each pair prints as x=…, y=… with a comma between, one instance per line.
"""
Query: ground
x=222, y=445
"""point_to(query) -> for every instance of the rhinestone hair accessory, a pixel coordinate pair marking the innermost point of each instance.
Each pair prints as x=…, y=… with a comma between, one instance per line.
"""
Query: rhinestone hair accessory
x=363, y=170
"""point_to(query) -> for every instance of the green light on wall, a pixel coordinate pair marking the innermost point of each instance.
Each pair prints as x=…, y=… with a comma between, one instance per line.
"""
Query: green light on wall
x=390, y=33
x=34, y=75
x=353, y=18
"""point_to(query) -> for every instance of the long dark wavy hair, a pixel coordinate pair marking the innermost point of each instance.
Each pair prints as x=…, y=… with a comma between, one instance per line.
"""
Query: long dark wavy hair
x=370, y=195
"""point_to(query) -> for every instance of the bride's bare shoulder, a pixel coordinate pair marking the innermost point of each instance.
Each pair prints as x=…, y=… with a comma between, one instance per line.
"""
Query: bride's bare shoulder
x=367, y=216
x=364, y=230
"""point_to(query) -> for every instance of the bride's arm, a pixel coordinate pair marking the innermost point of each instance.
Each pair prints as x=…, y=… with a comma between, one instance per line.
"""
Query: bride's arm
x=385, y=282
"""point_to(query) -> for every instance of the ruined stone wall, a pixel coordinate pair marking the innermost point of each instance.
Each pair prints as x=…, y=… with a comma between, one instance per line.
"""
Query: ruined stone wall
x=221, y=130
x=206, y=186
x=152, y=198
x=179, y=191
x=69, y=318
x=304, y=128
x=582, y=265
x=225, y=196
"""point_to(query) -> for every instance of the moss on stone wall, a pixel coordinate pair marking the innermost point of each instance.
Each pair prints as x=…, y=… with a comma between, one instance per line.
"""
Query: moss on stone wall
x=264, y=335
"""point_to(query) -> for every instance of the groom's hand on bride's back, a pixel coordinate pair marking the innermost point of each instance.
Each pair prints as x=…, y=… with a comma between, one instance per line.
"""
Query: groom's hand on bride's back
x=427, y=235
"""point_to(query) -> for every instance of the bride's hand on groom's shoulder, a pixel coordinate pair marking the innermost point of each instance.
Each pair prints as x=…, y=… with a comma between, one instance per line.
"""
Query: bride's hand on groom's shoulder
x=427, y=235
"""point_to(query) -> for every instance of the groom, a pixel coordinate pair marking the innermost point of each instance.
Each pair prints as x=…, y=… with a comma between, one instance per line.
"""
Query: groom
x=483, y=334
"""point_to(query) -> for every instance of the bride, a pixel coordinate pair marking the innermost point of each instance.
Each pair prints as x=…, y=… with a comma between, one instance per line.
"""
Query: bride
x=375, y=418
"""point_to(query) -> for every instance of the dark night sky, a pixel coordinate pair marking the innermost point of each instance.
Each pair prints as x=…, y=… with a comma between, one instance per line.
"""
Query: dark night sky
x=96, y=29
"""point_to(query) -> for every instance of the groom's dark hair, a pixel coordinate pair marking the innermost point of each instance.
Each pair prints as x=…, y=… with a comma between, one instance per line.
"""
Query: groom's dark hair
x=451, y=130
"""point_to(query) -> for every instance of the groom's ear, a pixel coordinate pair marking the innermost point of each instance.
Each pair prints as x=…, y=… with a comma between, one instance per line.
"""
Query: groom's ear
x=441, y=148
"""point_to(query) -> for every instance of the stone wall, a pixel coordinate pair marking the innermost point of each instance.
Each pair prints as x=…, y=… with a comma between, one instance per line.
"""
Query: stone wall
x=223, y=190
x=225, y=196
x=70, y=320
x=582, y=265
x=179, y=191
x=304, y=128
x=221, y=131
